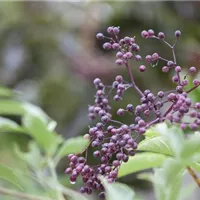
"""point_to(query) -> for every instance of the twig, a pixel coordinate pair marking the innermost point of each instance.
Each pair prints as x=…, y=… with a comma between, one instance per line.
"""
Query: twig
x=194, y=176
x=133, y=81
x=20, y=195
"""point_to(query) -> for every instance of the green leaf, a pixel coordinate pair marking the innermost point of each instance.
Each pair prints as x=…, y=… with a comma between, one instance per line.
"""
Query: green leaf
x=11, y=107
x=46, y=139
x=157, y=144
x=72, y=145
x=171, y=136
x=191, y=149
x=117, y=191
x=9, y=125
x=5, y=92
x=167, y=180
x=32, y=157
x=147, y=176
x=10, y=175
x=151, y=133
x=196, y=166
x=140, y=162
x=14, y=107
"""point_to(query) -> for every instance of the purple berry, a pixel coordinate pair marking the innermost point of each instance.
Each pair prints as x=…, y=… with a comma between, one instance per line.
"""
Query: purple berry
x=107, y=46
x=151, y=32
x=144, y=34
x=177, y=33
x=165, y=69
x=116, y=30
x=119, y=61
x=161, y=35
x=155, y=57
x=142, y=68
x=192, y=69
x=110, y=29
x=100, y=36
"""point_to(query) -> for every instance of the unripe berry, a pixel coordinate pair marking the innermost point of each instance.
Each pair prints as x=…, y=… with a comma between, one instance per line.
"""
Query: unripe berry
x=170, y=63
x=129, y=55
x=97, y=81
x=144, y=34
x=196, y=82
x=192, y=69
x=110, y=29
x=115, y=46
x=117, y=98
x=197, y=105
x=119, y=61
x=142, y=68
x=129, y=107
x=161, y=94
x=119, y=79
x=183, y=126
x=148, y=59
x=99, y=36
x=155, y=57
x=177, y=33
x=116, y=30
x=107, y=46
x=184, y=82
x=165, y=69
x=127, y=39
x=119, y=55
x=138, y=58
x=120, y=112
x=151, y=32
x=134, y=47
x=161, y=35
x=178, y=69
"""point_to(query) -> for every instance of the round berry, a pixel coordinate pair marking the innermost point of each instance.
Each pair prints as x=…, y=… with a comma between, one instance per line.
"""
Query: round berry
x=144, y=34
x=120, y=112
x=138, y=58
x=115, y=46
x=165, y=69
x=148, y=59
x=161, y=35
x=192, y=69
x=99, y=36
x=107, y=46
x=119, y=55
x=116, y=30
x=110, y=29
x=119, y=61
x=150, y=32
x=177, y=33
x=155, y=57
x=142, y=68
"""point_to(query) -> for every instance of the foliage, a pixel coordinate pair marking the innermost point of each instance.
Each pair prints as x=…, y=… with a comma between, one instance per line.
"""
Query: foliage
x=165, y=148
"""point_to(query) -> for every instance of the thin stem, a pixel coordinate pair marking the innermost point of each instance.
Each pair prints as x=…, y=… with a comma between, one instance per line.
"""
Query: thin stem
x=168, y=111
x=20, y=195
x=163, y=59
x=193, y=88
x=55, y=179
x=167, y=43
x=153, y=122
x=174, y=55
x=194, y=176
x=115, y=121
x=133, y=81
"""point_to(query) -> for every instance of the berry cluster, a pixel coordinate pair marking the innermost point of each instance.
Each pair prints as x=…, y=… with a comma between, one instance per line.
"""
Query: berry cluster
x=113, y=141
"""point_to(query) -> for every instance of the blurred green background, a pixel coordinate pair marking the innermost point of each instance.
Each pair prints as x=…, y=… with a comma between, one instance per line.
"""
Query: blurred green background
x=49, y=54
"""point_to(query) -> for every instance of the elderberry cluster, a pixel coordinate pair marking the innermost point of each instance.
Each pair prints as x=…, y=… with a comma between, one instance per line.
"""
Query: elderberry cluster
x=114, y=142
